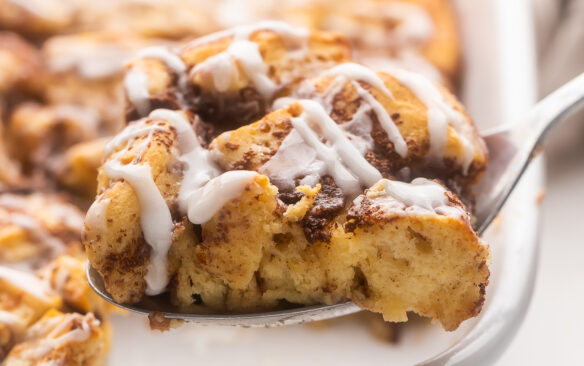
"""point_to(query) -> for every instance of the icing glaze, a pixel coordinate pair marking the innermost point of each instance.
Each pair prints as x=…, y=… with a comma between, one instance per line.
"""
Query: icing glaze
x=200, y=168
x=338, y=157
x=96, y=214
x=136, y=82
x=353, y=71
x=421, y=197
x=224, y=72
x=155, y=218
x=136, y=86
x=206, y=201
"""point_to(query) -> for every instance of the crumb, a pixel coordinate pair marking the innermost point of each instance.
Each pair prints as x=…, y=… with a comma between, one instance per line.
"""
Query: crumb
x=540, y=196
x=157, y=321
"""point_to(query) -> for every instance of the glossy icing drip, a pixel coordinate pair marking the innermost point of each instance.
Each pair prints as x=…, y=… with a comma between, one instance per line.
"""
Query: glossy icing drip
x=155, y=219
x=136, y=86
x=337, y=157
x=199, y=167
x=206, y=201
x=136, y=82
x=421, y=197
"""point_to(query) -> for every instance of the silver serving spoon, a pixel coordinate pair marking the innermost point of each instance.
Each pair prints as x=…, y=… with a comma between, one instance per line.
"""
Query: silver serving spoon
x=511, y=149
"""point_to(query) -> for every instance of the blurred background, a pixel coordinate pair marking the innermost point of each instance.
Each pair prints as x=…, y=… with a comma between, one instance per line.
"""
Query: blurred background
x=552, y=331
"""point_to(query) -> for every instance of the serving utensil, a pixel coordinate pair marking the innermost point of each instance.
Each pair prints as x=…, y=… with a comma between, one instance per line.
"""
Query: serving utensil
x=511, y=149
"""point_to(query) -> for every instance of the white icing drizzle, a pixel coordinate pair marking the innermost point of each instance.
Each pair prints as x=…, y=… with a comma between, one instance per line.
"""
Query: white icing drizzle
x=338, y=157
x=440, y=115
x=61, y=277
x=136, y=86
x=353, y=71
x=59, y=335
x=206, y=201
x=199, y=166
x=385, y=121
x=136, y=82
x=421, y=197
x=165, y=55
x=30, y=204
x=155, y=218
x=222, y=68
x=133, y=130
x=27, y=283
x=96, y=214
x=293, y=159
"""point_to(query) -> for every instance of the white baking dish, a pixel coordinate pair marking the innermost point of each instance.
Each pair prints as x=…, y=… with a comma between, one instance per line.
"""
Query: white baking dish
x=499, y=86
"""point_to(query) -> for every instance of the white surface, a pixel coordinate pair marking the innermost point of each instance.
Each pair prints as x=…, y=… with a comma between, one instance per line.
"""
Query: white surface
x=500, y=88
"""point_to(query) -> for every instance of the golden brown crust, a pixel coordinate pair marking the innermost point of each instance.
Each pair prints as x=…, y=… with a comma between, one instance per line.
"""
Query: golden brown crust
x=254, y=252
x=119, y=252
x=241, y=103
